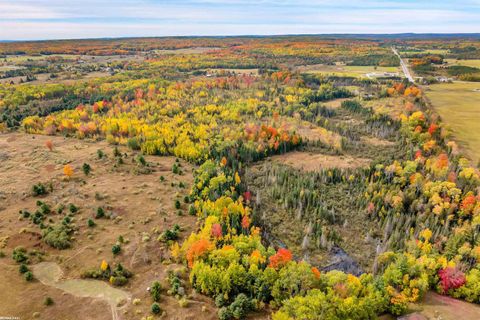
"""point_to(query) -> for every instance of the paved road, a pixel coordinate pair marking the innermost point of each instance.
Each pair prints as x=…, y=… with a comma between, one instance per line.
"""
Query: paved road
x=404, y=66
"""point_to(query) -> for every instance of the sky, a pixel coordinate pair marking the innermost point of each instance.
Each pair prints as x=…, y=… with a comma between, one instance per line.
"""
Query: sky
x=66, y=19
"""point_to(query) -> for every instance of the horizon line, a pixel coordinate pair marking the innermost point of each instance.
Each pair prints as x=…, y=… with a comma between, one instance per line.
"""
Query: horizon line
x=449, y=34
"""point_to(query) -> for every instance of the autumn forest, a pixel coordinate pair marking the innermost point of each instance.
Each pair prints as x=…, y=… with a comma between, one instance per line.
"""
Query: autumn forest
x=283, y=177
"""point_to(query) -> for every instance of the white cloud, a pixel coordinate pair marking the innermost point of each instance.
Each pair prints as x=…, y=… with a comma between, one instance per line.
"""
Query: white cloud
x=42, y=19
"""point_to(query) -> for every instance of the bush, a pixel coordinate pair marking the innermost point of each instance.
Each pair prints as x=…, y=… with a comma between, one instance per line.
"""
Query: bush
x=100, y=154
x=48, y=301
x=28, y=276
x=58, y=237
x=100, y=213
x=90, y=223
x=116, y=152
x=183, y=302
x=141, y=160
x=133, y=143
x=86, y=169
x=39, y=189
x=72, y=208
x=23, y=268
x=450, y=278
x=156, y=308
x=155, y=291
x=220, y=301
x=118, y=281
x=116, y=249
x=19, y=254
x=224, y=314
x=177, y=204
x=170, y=234
x=240, y=307
x=175, y=169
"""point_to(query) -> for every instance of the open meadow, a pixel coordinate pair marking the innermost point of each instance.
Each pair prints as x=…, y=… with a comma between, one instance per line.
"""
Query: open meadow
x=459, y=106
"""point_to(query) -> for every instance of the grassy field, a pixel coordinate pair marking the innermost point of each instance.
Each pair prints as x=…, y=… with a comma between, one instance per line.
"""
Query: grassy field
x=143, y=207
x=429, y=51
x=459, y=106
x=347, y=71
x=475, y=63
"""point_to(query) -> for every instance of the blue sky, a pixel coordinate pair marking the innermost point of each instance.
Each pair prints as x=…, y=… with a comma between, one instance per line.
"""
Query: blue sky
x=62, y=19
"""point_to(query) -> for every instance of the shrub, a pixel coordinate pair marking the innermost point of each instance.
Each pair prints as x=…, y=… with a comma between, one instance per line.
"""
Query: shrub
x=183, y=302
x=224, y=314
x=48, y=301
x=155, y=291
x=133, y=143
x=141, y=160
x=116, y=249
x=39, y=189
x=170, y=234
x=90, y=223
x=28, y=276
x=100, y=154
x=175, y=282
x=156, y=308
x=44, y=208
x=450, y=278
x=177, y=204
x=86, y=169
x=240, y=306
x=118, y=281
x=175, y=169
x=57, y=236
x=19, y=254
x=471, y=290
x=100, y=213
x=118, y=276
x=23, y=268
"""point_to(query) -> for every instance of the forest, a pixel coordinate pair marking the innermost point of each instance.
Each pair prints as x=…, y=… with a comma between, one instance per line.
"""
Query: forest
x=294, y=195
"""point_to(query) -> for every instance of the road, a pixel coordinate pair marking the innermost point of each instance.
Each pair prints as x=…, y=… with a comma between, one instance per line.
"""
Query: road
x=404, y=66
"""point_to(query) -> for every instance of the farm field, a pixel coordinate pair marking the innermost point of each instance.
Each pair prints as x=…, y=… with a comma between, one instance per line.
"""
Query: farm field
x=348, y=71
x=459, y=106
x=235, y=178
x=475, y=63
x=424, y=51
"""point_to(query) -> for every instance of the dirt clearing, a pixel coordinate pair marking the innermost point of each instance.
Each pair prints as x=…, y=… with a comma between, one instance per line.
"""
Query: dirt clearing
x=311, y=162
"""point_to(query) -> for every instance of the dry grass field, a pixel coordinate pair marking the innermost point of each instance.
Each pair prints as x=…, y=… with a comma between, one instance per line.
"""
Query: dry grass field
x=141, y=207
x=459, y=106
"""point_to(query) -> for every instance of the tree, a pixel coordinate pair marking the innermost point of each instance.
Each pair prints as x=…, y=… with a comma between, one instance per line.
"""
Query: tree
x=68, y=171
x=155, y=291
x=281, y=258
